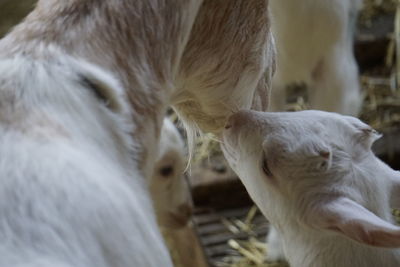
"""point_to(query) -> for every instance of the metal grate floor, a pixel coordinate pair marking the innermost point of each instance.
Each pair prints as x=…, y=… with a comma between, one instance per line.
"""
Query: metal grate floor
x=215, y=230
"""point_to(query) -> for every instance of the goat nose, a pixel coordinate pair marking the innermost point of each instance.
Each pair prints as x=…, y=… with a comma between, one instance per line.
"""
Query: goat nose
x=240, y=118
x=228, y=125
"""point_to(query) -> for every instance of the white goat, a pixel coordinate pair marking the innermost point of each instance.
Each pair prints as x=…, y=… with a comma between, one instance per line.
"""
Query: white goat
x=314, y=40
x=72, y=180
x=171, y=198
x=66, y=174
x=168, y=187
x=314, y=176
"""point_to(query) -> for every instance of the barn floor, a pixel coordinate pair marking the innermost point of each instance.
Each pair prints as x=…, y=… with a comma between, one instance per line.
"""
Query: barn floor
x=219, y=228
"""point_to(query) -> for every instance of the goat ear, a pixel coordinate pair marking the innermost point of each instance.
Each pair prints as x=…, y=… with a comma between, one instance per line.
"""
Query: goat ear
x=348, y=218
x=324, y=162
x=369, y=136
x=104, y=86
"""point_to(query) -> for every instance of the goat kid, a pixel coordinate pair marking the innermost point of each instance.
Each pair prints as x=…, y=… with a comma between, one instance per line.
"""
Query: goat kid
x=314, y=176
x=168, y=187
x=171, y=198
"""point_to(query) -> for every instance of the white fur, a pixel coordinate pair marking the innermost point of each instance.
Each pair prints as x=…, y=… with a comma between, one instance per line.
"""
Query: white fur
x=274, y=246
x=314, y=40
x=324, y=190
x=168, y=187
x=70, y=195
x=61, y=139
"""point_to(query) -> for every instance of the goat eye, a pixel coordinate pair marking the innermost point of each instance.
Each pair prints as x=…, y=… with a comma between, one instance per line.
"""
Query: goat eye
x=323, y=165
x=166, y=171
x=265, y=167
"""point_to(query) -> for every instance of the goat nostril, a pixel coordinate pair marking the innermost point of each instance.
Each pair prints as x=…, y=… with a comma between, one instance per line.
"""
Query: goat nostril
x=228, y=126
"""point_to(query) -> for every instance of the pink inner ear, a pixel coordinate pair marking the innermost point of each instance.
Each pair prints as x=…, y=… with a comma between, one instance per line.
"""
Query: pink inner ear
x=372, y=134
x=325, y=154
x=346, y=217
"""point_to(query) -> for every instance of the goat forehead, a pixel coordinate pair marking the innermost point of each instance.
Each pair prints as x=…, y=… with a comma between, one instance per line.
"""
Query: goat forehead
x=298, y=130
x=316, y=122
x=293, y=137
x=294, y=131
